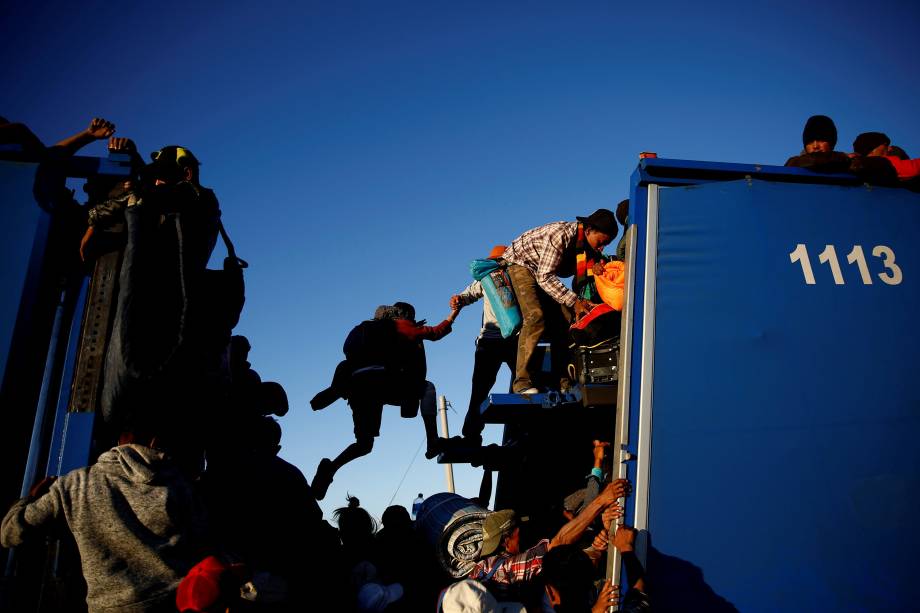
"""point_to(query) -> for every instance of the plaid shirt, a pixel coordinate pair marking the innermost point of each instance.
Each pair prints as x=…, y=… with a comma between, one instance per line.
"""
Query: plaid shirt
x=510, y=571
x=545, y=252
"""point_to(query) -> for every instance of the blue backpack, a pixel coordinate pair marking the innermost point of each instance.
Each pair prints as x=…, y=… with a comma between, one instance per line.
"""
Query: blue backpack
x=496, y=285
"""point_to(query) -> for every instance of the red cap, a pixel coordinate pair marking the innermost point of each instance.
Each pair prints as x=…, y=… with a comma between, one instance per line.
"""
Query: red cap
x=200, y=589
x=497, y=252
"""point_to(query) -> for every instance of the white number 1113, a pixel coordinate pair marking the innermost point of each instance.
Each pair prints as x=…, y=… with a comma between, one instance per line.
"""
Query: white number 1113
x=891, y=276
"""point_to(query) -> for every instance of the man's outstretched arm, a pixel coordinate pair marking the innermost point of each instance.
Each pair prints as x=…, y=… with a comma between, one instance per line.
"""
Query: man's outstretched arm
x=573, y=530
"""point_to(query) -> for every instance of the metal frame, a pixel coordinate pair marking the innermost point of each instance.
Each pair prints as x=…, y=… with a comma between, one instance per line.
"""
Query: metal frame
x=646, y=384
x=665, y=172
x=614, y=567
x=626, y=347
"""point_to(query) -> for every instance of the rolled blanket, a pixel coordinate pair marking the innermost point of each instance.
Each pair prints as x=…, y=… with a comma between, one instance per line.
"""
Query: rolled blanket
x=452, y=525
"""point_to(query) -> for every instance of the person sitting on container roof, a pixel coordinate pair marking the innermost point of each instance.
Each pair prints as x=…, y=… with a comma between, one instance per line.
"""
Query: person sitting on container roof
x=819, y=139
x=869, y=159
x=537, y=259
x=898, y=152
x=504, y=568
x=878, y=145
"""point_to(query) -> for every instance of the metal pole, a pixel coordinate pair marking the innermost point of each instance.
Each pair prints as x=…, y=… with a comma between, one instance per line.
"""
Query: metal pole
x=38, y=445
x=445, y=433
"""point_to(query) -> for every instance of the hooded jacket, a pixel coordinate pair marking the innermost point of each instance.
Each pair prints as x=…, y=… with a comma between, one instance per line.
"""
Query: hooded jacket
x=135, y=518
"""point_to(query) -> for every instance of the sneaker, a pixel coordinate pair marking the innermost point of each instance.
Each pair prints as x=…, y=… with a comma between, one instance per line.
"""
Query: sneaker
x=322, y=479
x=435, y=448
x=324, y=399
x=529, y=391
x=472, y=440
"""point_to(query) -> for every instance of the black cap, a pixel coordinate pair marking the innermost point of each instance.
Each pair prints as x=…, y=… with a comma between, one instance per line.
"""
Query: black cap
x=820, y=127
x=867, y=141
x=603, y=220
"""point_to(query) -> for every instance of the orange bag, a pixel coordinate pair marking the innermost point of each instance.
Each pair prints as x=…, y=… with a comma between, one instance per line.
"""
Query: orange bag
x=610, y=284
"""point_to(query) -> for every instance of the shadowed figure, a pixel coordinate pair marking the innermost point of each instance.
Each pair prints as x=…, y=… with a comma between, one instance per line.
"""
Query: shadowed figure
x=385, y=364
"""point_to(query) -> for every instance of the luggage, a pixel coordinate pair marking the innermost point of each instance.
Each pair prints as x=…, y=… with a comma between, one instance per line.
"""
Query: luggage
x=452, y=526
x=601, y=323
x=597, y=364
x=610, y=284
x=496, y=285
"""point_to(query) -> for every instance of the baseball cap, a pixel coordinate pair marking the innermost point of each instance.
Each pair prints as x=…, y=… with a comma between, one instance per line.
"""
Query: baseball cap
x=494, y=527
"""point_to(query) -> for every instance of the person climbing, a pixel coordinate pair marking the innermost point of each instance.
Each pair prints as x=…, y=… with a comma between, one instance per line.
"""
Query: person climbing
x=385, y=364
x=536, y=260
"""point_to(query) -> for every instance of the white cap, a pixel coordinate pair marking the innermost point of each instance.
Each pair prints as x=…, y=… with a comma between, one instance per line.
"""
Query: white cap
x=374, y=598
x=470, y=596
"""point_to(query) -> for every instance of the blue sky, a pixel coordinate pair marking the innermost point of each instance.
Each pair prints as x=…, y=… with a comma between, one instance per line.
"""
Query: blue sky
x=365, y=152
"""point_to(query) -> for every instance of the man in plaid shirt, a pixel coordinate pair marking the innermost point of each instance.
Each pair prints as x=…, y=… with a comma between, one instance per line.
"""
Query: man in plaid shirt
x=505, y=569
x=537, y=259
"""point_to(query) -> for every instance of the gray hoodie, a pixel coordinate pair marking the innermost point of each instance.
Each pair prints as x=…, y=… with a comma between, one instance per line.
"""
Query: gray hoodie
x=137, y=522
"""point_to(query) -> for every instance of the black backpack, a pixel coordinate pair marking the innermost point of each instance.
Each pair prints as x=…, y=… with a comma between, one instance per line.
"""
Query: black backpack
x=371, y=343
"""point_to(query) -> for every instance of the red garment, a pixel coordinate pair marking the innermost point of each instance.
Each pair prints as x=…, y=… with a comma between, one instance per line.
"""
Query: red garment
x=413, y=353
x=907, y=169
x=415, y=332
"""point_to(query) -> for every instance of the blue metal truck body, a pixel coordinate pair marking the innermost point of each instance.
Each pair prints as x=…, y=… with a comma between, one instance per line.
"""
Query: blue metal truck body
x=768, y=410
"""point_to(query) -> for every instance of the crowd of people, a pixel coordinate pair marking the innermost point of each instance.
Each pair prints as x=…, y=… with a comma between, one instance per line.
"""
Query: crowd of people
x=192, y=509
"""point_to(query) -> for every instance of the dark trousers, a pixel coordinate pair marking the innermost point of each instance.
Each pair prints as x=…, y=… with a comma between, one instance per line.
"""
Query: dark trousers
x=543, y=318
x=491, y=353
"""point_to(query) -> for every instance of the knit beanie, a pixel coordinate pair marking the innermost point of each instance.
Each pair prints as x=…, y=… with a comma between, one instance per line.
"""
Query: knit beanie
x=867, y=141
x=820, y=127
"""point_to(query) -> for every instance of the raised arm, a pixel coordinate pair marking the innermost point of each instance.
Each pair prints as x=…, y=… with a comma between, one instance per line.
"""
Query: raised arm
x=414, y=332
x=573, y=530
x=468, y=296
x=98, y=129
x=625, y=540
